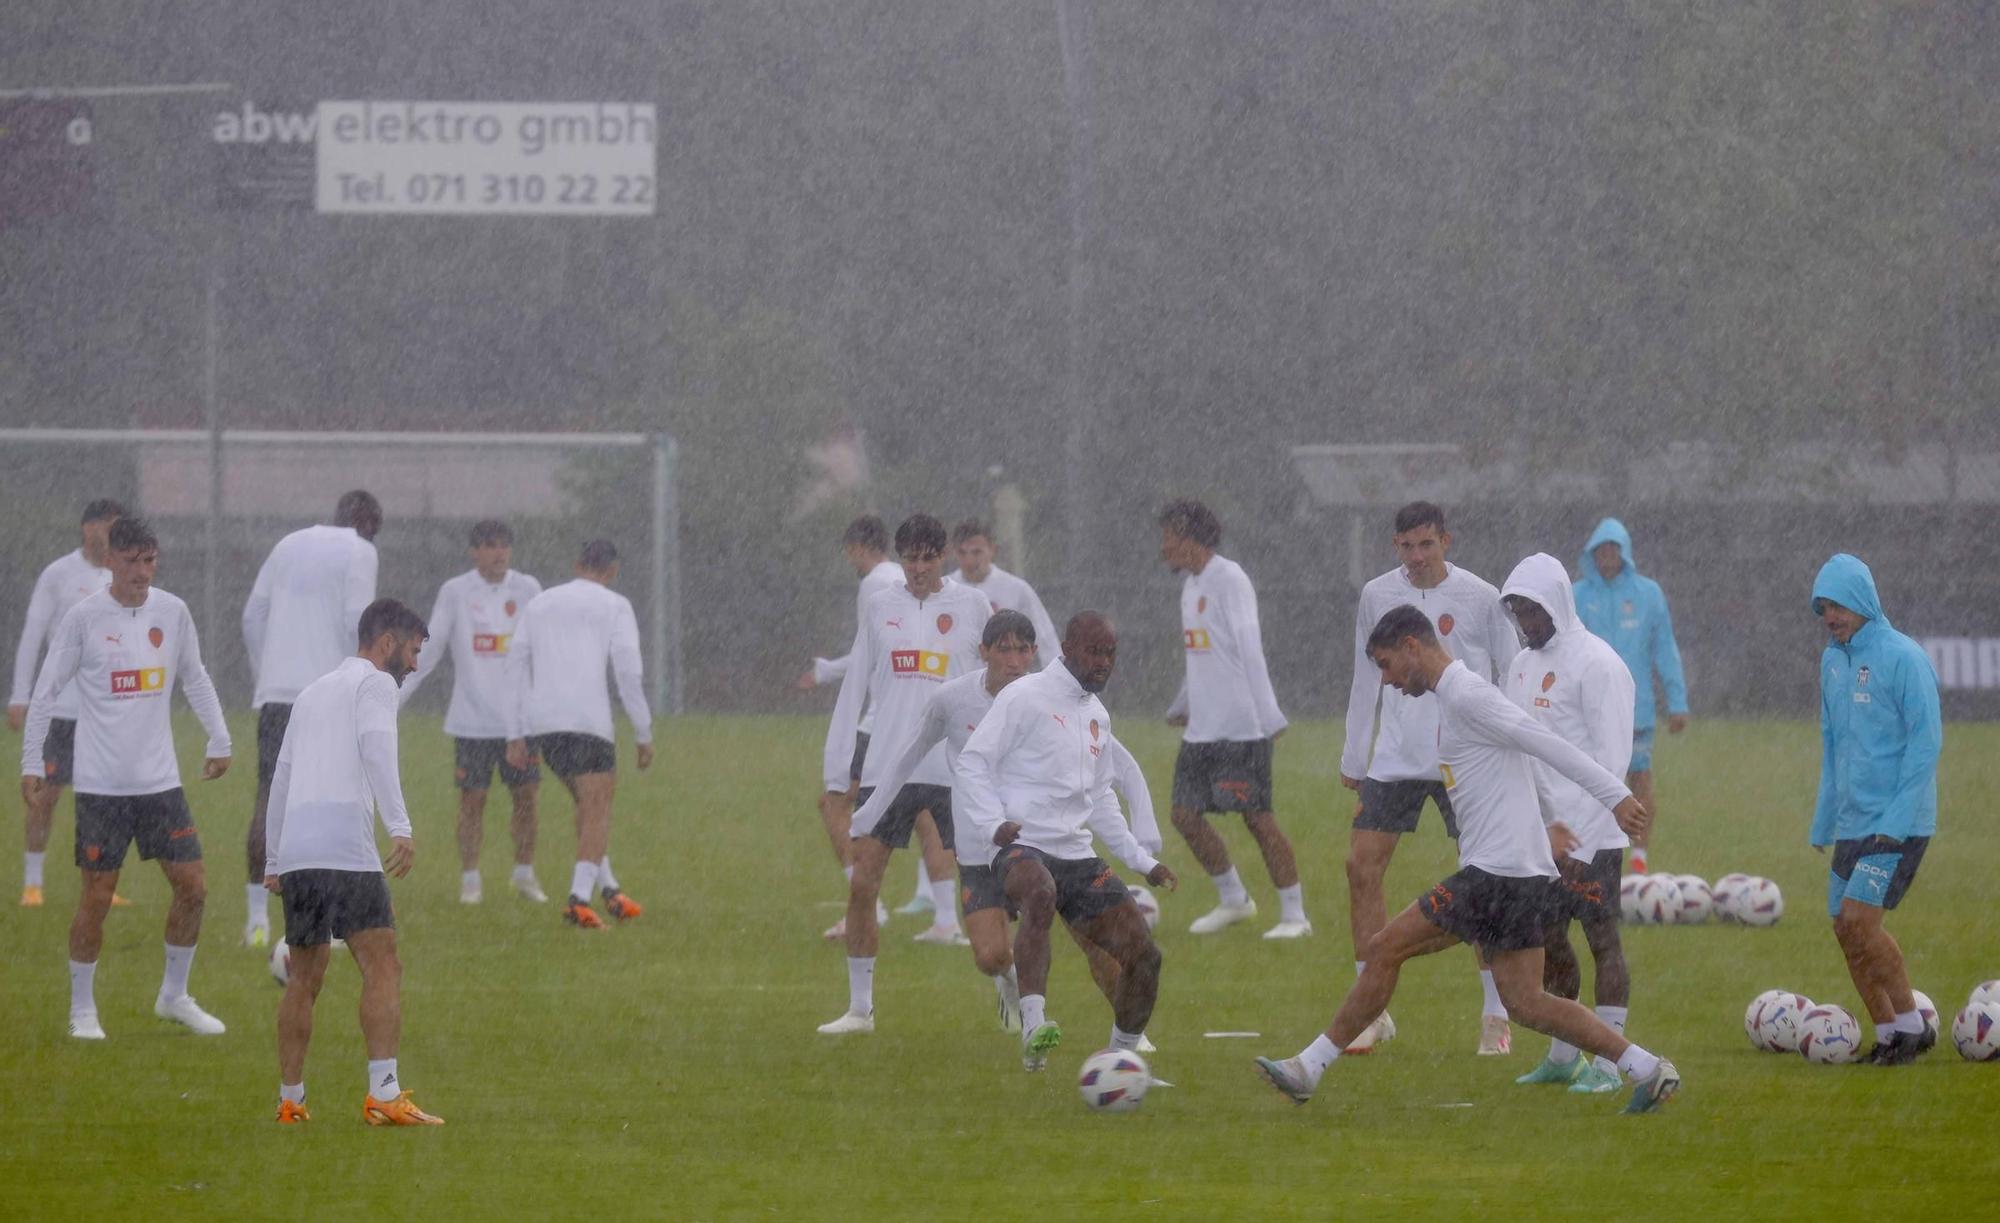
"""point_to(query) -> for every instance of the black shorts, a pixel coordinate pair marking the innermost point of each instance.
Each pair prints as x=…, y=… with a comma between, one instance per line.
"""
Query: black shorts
x=1224, y=776
x=478, y=758
x=59, y=752
x=894, y=828
x=1873, y=870
x=1396, y=806
x=570, y=754
x=323, y=905
x=161, y=824
x=1492, y=912
x=979, y=888
x=860, y=755
x=272, y=719
x=1588, y=891
x=1085, y=887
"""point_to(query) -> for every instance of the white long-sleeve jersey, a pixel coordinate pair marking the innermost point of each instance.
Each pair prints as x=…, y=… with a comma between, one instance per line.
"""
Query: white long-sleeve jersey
x=123, y=663
x=1042, y=758
x=1227, y=694
x=1011, y=592
x=1470, y=622
x=903, y=649
x=304, y=612
x=566, y=640
x=1579, y=688
x=473, y=621
x=1486, y=749
x=336, y=773
x=67, y=581
x=886, y=575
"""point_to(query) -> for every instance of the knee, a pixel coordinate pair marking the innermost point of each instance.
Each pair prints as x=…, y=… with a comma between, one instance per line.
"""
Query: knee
x=191, y=893
x=992, y=961
x=1188, y=821
x=1147, y=962
x=1363, y=871
x=1038, y=903
x=1851, y=933
x=1520, y=999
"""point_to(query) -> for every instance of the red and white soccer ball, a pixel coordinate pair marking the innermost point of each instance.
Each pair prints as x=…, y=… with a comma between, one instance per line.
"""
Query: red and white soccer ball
x=1697, y=902
x=1725, y=890
x=1757, y=903
x=1829, y=1035
x=1113, y=1081
x=1628, y=898
x=1149, y=905
x=1775, y=1019
x=1986, y=991
x=1753, y=1017
x=1658, y=900
x=1928, y=1012
x=1976, y=1032
x=281, y=962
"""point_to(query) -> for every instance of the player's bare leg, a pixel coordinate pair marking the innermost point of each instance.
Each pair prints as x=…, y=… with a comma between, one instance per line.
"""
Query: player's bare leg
x=1120, y=934
x=189, y=882
x=1233, y=901
x=39, y=810
x=257, y=927
x=941, y=867
x=303, y=980
x=93, y=902
x=1284, y=870
x=1207, y=844
x=374, y=954
x=471, y=834
x=1033, y=892
x=1368, y=854
x=1641, y=785
x=868, y=857
x=993, y=954
x=836, y=815
x=592, y=793
x=524, y=822
x=1874, y=961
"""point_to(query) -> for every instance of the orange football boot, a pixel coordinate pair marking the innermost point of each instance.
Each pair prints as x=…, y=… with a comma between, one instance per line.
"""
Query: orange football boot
x=579, y=913
x=291, y=1114
x=31, y=897
x=621, y=906
x=400, y=1111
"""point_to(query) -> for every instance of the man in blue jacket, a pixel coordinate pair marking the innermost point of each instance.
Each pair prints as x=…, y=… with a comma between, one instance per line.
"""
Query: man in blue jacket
x=1881, y=730
x=1628, y=609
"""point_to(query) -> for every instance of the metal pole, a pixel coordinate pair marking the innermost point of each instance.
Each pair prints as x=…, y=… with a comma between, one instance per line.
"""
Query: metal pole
x=1078, y=404
x=669, y=685
x=211, y=577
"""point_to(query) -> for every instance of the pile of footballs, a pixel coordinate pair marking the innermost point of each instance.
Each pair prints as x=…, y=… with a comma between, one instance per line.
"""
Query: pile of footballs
x=1688, y=900
x=1780, y=1021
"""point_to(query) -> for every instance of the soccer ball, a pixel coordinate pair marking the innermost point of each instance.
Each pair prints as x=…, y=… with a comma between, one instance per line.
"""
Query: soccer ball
x=1725, y=890
x=1628, y=898
x=1828, y=1035
x=1779, y=1022
x=1753, y=1017
x=1987, y=992
x=1113, y=1081
x=1927, y=1011
x=1658, y=899
x=1757, y=903
x=1149, y=906
x=281, y=962
x=1976, y=1032
x=1697, y=902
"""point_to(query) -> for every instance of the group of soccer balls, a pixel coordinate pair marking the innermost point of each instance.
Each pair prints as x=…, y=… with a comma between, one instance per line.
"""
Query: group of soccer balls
x=1688, y=900
x=1779, y=1021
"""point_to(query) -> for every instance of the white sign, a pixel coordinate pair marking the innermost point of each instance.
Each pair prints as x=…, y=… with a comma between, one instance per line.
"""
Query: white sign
x=491, y=158
x=1964, y=662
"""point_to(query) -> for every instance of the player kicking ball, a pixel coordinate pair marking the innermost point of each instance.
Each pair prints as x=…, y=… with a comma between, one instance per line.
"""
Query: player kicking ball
x=1505, y=891
x=335, y=773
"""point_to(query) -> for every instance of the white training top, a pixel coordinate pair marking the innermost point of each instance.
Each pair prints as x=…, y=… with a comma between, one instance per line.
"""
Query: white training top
x=902, y=650
x=335, y=772
x=1579, y=688
x=1227, y=694
x=66, y=581
x=473, y=621
x=1010, y=592
x=1040, y=759
x=565, y=641
x=886, y=575
x=1485, y=749
x=123, y=662
x=304, y=613
x=1469, y=620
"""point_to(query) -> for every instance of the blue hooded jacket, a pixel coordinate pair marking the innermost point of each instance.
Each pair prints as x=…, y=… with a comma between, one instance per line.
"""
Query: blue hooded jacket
x=1630, y=612
x=1880, y=723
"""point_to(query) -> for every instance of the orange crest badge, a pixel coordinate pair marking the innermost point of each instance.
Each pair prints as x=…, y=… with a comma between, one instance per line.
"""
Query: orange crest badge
x=945, y=623
x=1548, y=681
x=1201, y=605
x=1446, y=624
x=509, y=608
x=1093, y=728
x=155, y=636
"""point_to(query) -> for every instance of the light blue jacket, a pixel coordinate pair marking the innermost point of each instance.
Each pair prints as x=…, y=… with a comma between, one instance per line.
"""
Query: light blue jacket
x=1630, y=612
x=1880, y=724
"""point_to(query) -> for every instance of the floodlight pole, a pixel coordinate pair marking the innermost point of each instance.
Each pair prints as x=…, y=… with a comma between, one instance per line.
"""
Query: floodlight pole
x=669, y=686
x=211, y=569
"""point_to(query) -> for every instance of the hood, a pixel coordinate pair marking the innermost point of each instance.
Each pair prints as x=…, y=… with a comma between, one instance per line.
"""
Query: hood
x=1610, y=531
x=1846, y=580
x=1543, y=579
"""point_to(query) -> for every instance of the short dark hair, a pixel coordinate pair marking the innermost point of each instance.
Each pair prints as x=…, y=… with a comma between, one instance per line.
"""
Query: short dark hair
x=129, y=533
x=971, y=528
x=867, y=532
x=389, y=616
x=1400, y=622
x=491, y=531
x=919, y=533
x=1190, y=519
x=1007, y=624
x=598, y=555
x=356, y=509
x=1420, y=514
x=102, y=509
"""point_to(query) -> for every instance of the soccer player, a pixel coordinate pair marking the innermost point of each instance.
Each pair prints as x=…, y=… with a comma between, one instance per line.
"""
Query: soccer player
x=1574, y=685
x=336, y=774
x=1628, y=609
x=1232, y=722
x=474, y=618
x=121, y=651
x=972, y=546
x=1035, y=781
x=567, y=639
x=298, y=625
x=912, y=638
x=1881, y=730
x=66, y=581
x=1396, y=770
x=1505, y=888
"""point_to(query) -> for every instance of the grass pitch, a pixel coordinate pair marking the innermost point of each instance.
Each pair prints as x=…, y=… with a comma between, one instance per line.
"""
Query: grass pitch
x=670, y=1069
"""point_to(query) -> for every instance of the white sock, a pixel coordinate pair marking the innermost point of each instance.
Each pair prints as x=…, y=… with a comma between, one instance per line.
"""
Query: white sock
x=1492, y=1005
x=83, y=986
x=1317, y=1056
x=1614, y=1017
x=1883, y=1031
x=1911, y=1021
x=580, y=880
x=1561, y=1053
x=468, y=879
x=524, y=873
x=259, y=903
x=1230, y=885
x=175, y=982
x=1360, y=966
x=1034, y=1011
x=295, y=1092
x=1637, y=1063
x=943, y=896
x=923, y=891
x=32, y=873
x=605, y=879
x=382, y=1081
x=1123, y=1040
x=1292, y=902
x=861, y=985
